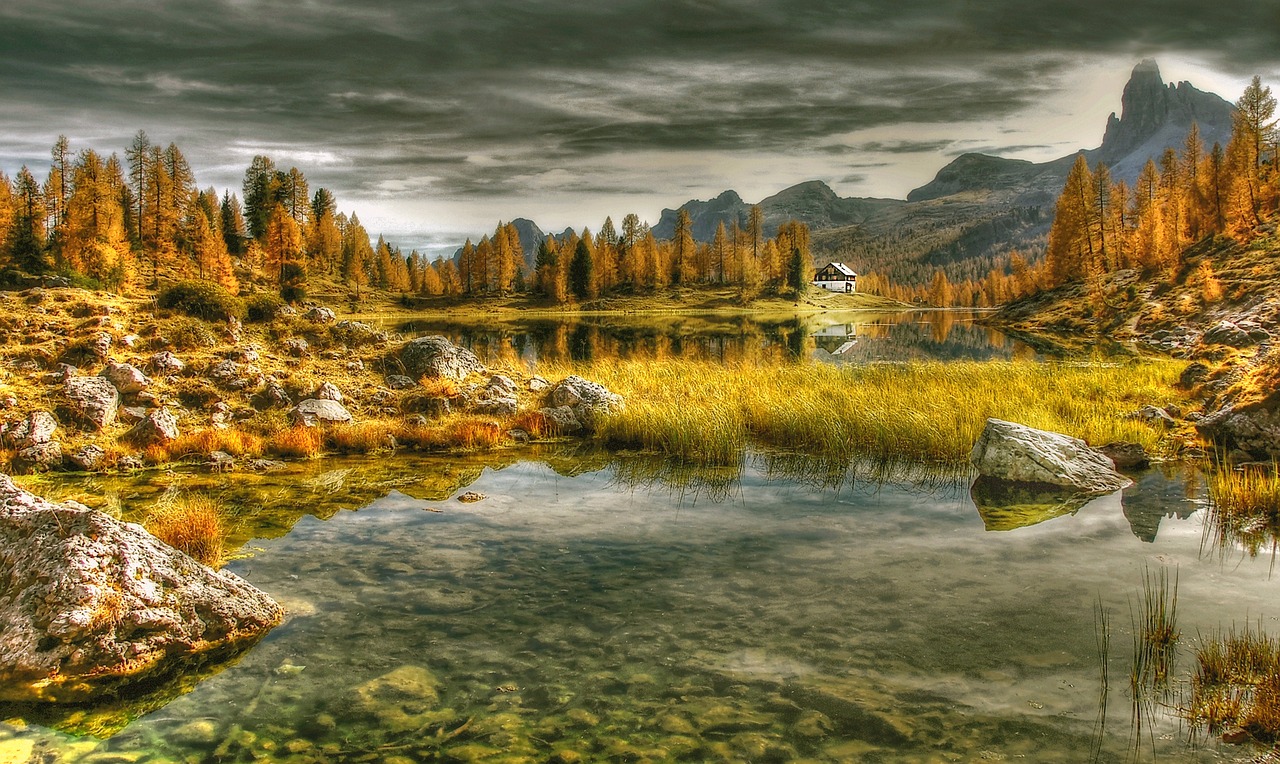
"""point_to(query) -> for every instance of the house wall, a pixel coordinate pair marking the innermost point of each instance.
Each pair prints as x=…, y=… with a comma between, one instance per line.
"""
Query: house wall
x=837, y=286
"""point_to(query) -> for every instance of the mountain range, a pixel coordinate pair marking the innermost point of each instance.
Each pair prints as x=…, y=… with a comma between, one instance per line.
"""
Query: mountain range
x=977, y=208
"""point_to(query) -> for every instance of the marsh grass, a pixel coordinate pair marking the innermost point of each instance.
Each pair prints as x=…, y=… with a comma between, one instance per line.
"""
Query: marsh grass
x=194, y=524
x=1237, y=684
x=1102, y=636
x=297, y=442
x=921, y=413
x=1244, y=508
x=237, y=442
x=362, y=437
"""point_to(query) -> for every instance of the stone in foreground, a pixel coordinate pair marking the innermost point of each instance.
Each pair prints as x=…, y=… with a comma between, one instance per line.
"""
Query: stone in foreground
x=435, y=356
x=91, y=605
x=1020, y=454
x=586, y=399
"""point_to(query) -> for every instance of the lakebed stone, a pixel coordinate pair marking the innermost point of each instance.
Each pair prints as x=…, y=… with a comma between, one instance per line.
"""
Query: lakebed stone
x=1019, y=454
x=93, y=605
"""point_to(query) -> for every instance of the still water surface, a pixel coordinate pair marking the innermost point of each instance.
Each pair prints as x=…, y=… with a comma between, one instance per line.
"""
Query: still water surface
x=605, y=608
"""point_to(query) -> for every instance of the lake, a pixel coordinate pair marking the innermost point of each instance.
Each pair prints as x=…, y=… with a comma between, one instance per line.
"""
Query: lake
x=600, y=607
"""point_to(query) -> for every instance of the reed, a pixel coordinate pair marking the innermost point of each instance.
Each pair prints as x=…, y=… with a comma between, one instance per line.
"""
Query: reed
x=1244, y=508
x=193, y=524
x=363, y=437
x=1237, y=684
x=927, y=412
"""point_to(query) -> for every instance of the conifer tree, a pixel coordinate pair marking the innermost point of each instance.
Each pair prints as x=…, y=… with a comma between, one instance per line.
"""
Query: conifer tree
x=682, y=242
x=25, y=247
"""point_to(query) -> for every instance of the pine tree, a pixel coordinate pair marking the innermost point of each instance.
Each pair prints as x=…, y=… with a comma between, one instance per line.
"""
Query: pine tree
x=139, y=157
x=25, y=247
x=582, y=268
x=233, y=233
x=682, y=241
x=261, y=189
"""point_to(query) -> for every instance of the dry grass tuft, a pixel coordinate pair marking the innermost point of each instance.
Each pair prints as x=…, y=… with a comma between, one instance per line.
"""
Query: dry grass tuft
x=474, y=433
x=1237, y=684
x=297, y=442
x=534, y=423
x=193, y=524
x=362, y=438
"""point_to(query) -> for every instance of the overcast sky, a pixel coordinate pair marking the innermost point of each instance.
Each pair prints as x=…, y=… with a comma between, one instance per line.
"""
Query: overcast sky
x=434, y=119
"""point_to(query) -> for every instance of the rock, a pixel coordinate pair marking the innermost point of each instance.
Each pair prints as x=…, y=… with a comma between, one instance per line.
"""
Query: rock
x=272, y=396
x=36, y=429
x=1154, y=415
x=221, y=461
x=471, y=497
x=61, y=373
x=92, y=605
x=166, y=362
x=320, y=315
x=92, y=400
x=100, y=344
x=40, y=457
x=355, y=366
x=561, y=419
x=538, y=384
x=157, y=427
x=265, y=465
x=131, y=414
x=128, y=379
x=1227, y=333
x=1126, y=456
x=434, y=356
x=88, y=458
x=1253, y=428
x=129, y=463
x=400, y=382
x=1019, y=454
x=130, y=341
x=586, y=399
x=246, y=355
x=354, y=333
x=498, y=397
x=327, y=391
x=296, y=347
x=235, y=376
x=314, y=411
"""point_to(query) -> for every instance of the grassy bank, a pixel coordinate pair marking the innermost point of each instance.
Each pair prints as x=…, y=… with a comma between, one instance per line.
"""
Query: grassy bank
x=708, y=413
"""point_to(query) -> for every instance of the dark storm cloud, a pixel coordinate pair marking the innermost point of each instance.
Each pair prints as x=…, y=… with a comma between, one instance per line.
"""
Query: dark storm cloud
x=476, y=97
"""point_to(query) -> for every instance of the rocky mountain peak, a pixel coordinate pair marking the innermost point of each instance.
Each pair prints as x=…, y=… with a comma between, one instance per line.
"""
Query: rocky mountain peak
x=1150, y=109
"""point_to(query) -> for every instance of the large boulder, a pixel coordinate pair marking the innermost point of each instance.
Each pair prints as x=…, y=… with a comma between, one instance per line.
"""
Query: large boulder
x=127, y=378
x=587, y=400
x=315, y=411
x=156, y=427
x=92, y=400
x=436, y=356
x=1252, y=427
x=1019, y=454
x=498, y=398
x=35, y=430
x=39, y=457
x=94, y=606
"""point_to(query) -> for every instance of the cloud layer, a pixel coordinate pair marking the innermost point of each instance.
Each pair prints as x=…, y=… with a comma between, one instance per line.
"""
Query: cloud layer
x=474, y=107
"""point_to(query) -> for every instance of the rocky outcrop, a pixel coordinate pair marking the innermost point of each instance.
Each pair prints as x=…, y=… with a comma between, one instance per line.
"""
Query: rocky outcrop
x=92, y=401
x=314, y=411
x=435, y=356
x=128, y=379
x=587, y=400
x=1016, y=453
x=156, y=428
x=320, y=315
x=1252, y=428
x=91, y=605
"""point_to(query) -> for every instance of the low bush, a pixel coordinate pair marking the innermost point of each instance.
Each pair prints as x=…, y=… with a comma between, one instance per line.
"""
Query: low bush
x=262, y=308
x=201, y=299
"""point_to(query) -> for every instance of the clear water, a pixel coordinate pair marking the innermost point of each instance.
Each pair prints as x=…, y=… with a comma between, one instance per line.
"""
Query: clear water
x=832, y=337
x=597, y=608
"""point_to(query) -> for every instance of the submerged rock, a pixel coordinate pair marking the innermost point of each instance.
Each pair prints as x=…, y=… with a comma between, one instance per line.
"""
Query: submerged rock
x=435, y=356
x=92, y=605
x=1020, y=454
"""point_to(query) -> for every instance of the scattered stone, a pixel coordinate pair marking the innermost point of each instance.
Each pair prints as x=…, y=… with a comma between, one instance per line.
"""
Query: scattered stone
x=1154, y=415
x=36, y=429
x=100, y=344
x=435, y=356
x=92, y=605
x=561, y=420
x=130, y=463
x=314, y=411
x=327, y=391
x=61, y=373
x=246, y=355
x=265, y=465
x=157, y=427
x=320, y=315
x=538, y=384
x=518, y=435
x=1253, y=428
x=355, y=333
x=130, y=341
x=88, y=458
x=40, y=457
x=128, y=379
x=1126, y=456
x=1016, y=453
x=92, y=400
x=235, y=376
x=399, y=700
x=296, y=347
x=221, y=461
x=400, y=382
x=355, y=366
x=165, y=362
x=588, y=400
x=417, y=420
x=272, y=396
x=471, y=497
x=498, y=398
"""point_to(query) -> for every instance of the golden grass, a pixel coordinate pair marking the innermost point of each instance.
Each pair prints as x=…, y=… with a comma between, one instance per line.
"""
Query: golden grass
x=924, y=412
x=193, y=524
x=473, y=433
x=363, y=437
x=297, y=442
x=236, y=442
x=1245, y=507
x=1237, y=684
x=439, y=387
x=534, y=423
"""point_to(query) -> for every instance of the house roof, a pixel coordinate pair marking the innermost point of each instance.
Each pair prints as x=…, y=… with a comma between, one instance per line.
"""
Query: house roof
x=846, y=270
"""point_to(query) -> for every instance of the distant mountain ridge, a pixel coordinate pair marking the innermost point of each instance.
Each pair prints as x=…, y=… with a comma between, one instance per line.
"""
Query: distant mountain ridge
x=977, y=207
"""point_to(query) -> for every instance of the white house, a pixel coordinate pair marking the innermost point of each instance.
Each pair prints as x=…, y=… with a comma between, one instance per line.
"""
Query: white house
x=836, y=277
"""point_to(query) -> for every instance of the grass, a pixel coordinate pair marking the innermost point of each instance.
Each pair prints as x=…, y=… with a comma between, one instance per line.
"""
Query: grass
x=1237, y=684
x=193, y=524
x=1245, y=508
x=925, y=412
x=1155, y=642
x=297, y=442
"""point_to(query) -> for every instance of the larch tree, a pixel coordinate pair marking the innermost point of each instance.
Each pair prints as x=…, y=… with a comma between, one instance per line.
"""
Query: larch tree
x=682, y=271
x=282, y=249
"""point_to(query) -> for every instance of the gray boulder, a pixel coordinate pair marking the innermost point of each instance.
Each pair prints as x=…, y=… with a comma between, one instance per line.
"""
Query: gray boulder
x=436, y=356
x=1154, y=415
x=1227, y=333
x=157, y=427
x=128, y=379
x=320, y=315
x=327, y=391
x=166, y=362
x=296, y=347
x=1019, y=454
x=561, y=419
x=588, y=400
x=313, y=412
x=88, y=457
x=40, y=457
x=1253, y=428
x=400, y=382
x=36, y=429
x=235, y=376
x=272, y=396
x=92, y=606
x=498, y=398
x=92, y=400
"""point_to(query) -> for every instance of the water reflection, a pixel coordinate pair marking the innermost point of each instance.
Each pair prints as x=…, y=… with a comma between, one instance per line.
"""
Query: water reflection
x=833, y=337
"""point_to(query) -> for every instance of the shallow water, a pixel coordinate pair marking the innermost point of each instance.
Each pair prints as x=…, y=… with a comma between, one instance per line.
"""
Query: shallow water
x=604, y=610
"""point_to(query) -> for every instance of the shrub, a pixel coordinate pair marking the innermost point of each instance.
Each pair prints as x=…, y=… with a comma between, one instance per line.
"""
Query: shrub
x=188, y=333
x=262, y=308
x=201, y=299
x=193, y=524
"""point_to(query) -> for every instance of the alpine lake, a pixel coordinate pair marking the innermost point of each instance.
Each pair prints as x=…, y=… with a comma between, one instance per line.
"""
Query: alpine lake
x=599, y=606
